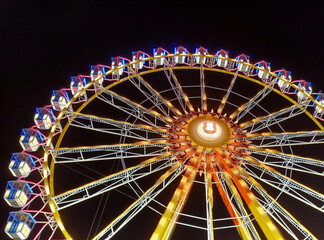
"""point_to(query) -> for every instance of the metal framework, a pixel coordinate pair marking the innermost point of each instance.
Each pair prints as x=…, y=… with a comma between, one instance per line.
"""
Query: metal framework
x=190, y=139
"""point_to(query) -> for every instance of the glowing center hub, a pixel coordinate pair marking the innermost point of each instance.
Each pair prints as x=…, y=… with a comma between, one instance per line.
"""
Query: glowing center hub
x=208, y=131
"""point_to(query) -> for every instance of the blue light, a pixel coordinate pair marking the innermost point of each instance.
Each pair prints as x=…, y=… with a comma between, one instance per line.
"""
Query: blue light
x=153, y=51
x=297, y=86
x=40, y=137
x=14, y=155
x=10, y=185
x=24, y=131
x=31, y=160
x=67, y=96
x=103, y=70
x=85, y=82
x=175, y=50
x=53, y=114
x=26, y=184
x=37, y=110
x=54, y=94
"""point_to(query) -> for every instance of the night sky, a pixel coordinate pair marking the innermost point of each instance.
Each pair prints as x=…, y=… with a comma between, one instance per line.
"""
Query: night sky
x=43, y=43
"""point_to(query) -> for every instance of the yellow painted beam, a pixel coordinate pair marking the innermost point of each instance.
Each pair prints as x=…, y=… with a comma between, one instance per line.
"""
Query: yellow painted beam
x=166, y=224
x=267, y=226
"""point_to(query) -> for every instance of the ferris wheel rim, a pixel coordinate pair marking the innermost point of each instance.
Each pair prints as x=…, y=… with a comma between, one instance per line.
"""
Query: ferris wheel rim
x=57, y=217
x=48, y=178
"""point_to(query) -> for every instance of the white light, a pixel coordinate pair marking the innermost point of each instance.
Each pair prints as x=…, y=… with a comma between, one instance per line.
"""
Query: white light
x=209, y=130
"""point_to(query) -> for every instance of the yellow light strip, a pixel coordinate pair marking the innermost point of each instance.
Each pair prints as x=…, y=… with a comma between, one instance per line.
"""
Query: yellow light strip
x=159, y=181
x=272, y=199
x=267, y=226
x=236, y=218
x=166, y=224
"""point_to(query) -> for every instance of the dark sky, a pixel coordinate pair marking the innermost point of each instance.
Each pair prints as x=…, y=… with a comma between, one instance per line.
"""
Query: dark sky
x=43, y=43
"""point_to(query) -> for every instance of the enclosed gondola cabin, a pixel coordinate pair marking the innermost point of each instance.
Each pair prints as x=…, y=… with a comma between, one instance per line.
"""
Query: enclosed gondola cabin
x=180, y=58
x=156, y=53
x=240, y=66
x=19, y=225
x=200, y=55
x=306, y=87
x=30, y=139
x=17, y=193
x=21, y=164
x=59, y=100
x=220, y=55
x=43, y=118
x=136, y=56
x=97, y=71
x=262, y=73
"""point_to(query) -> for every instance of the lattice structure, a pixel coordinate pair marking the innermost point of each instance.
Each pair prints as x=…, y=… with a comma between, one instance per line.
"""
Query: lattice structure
x=175, y=123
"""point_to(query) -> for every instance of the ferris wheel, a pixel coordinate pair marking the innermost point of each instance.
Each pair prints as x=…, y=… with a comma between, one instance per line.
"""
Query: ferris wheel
x=171, y=145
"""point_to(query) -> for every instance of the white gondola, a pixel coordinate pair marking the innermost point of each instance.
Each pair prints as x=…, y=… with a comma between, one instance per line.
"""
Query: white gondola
x=77, y=84
x=21, y=164
x=179, y=58
x=19, y=225
x=96, y=72
x=222, y=62
x=43, y=118
x=284, y=86
x=318, y=110
x=201, y=55
x=138, y=56
x=17, y=193
x=263, y=75
x=240, y=66
x=59, y=100
x=115, y=63
x=306, y=88
x=30, y=139
x=156, y=53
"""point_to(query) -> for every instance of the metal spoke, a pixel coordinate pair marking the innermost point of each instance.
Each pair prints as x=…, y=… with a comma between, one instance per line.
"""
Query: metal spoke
x=167, y=222
x=110, y=152
x=109, y=231
x=110, y=126
x=245, y=108
x=177, y=89
x=152, y=95
x=283, y=183
x=113, y=181
x=284, y=139
x=287, y=161
x=260, y=123
x=224, y=99
x=146, y=115
x=209, y=204
x=277, y=212
x=264, y=221
x=239, y=216
x=203, y=90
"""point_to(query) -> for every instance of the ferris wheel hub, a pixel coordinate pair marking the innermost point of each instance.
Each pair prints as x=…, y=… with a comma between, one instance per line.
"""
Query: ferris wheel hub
x=208, y=131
